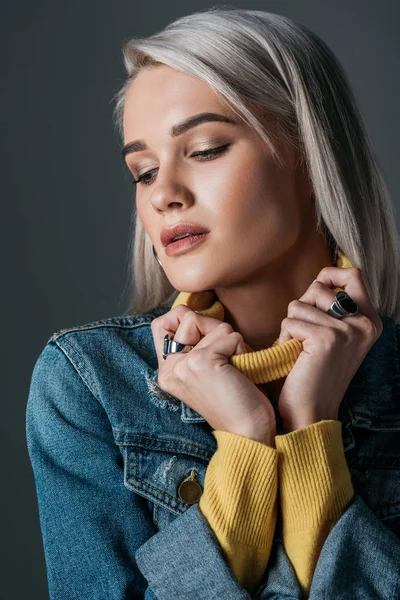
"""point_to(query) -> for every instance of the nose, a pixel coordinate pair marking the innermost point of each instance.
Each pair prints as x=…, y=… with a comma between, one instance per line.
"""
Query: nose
x=170, y=193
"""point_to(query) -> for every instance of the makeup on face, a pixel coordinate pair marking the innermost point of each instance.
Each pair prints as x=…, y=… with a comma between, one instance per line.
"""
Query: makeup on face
x=185, y=244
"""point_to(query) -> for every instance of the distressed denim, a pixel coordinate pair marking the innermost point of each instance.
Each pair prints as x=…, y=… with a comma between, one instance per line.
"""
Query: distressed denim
x=109, y=448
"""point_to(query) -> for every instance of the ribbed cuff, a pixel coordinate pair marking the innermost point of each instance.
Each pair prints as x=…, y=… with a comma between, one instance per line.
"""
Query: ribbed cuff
x=313, y=474
x=240, y=488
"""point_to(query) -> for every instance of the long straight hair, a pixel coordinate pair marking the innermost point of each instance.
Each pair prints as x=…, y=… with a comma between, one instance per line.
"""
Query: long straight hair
x=259, y=61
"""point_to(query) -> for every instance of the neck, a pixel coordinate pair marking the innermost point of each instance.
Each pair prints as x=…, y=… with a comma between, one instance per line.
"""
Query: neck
x=257, y=307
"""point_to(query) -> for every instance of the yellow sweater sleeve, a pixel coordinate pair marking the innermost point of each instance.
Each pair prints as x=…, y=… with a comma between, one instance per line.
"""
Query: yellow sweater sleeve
x=239, y=501
x=315, y=490
x=240, y=495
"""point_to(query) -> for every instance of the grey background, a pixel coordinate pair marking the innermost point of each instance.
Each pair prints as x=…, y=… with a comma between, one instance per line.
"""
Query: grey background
x=66, y=198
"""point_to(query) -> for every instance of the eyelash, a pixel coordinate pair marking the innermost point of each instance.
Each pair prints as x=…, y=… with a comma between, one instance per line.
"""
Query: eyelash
x=207, y=154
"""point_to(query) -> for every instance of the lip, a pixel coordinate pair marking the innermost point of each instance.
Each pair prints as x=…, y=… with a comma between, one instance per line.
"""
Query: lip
x=168, y=234
x=186, y=244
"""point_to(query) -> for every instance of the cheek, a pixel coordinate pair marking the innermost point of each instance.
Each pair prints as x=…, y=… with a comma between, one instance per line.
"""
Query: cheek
x=262, y=215
x=272, y=202
x=255, y=204
x=236, y=193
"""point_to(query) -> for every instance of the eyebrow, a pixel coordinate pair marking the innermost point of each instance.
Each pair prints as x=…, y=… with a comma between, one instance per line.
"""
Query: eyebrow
x=179, y=129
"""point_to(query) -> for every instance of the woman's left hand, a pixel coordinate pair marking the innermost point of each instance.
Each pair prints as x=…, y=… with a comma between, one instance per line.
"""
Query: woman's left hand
x=333, y=349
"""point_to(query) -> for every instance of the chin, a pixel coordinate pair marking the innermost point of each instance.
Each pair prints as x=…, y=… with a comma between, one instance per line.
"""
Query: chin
x=189, y=286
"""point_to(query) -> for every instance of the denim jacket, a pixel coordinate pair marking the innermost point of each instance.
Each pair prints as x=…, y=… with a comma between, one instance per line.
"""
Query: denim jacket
x=109, y=449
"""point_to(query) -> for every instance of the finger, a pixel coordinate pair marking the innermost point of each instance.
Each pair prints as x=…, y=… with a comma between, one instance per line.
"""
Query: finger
x=351, y=281
x=303, y=331
x=224, y=344
x=312, y=308
x=188, y=326
x=301, y=311
x=314, y=304
x=311, y=312
x=222, y=331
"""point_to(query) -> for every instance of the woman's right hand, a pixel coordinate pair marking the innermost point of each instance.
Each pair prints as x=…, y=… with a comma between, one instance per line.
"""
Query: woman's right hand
x=205, y=380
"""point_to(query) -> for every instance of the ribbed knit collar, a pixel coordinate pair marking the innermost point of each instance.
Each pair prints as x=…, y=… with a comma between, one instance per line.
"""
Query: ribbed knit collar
x=260, y=366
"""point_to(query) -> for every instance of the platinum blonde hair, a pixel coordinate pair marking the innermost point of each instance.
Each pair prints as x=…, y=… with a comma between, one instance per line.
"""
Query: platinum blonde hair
x=261, y=62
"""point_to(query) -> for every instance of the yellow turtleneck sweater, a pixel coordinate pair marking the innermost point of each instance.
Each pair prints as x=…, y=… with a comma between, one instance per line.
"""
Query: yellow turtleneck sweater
x=240, y=493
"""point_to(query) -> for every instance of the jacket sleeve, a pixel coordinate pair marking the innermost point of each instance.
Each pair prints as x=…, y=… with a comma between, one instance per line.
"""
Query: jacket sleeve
x=92, y=525
x=359, y=560
x=358, y=539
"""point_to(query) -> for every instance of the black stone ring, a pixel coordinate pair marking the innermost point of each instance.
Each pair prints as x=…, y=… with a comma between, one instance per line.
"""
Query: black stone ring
x=342, y=306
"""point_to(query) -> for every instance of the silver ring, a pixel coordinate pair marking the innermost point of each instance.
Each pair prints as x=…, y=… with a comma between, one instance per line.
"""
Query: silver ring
x=170, y=346
x=342, y=306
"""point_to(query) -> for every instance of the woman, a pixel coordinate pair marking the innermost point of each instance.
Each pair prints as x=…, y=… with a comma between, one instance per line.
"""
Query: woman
x=260, y=352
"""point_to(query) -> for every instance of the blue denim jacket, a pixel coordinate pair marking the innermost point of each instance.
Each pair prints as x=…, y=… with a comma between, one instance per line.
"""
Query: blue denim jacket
x=109, y=449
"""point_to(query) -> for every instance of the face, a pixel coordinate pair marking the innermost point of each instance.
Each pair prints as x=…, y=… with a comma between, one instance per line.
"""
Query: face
x=255, y=210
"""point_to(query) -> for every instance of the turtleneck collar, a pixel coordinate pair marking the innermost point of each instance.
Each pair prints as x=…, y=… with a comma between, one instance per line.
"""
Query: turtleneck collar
x=261, y=366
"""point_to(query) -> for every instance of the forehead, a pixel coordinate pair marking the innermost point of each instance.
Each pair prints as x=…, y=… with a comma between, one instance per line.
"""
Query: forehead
x=161, y=96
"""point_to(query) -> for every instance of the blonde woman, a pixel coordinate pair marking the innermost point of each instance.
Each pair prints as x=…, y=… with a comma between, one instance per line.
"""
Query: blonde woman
x=236, y=433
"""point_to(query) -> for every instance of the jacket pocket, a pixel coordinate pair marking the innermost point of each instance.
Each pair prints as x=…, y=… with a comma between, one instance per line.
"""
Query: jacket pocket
x=171, y=479
x=374, y=464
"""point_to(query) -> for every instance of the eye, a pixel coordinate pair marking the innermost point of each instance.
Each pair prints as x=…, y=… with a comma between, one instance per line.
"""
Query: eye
x=205, y=155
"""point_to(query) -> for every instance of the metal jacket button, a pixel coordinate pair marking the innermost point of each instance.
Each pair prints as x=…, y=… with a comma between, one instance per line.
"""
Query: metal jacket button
x=190, y=490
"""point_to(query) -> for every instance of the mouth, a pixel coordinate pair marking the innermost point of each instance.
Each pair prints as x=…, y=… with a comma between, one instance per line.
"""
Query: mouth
x=185, y=244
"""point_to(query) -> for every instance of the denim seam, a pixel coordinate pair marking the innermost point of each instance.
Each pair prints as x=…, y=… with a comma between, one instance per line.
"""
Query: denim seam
x=147, y=437
x=78, y=369
x=181, y=448
x=165, y=518
x=156, y=501
x=99, y=325
x=174, y=450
